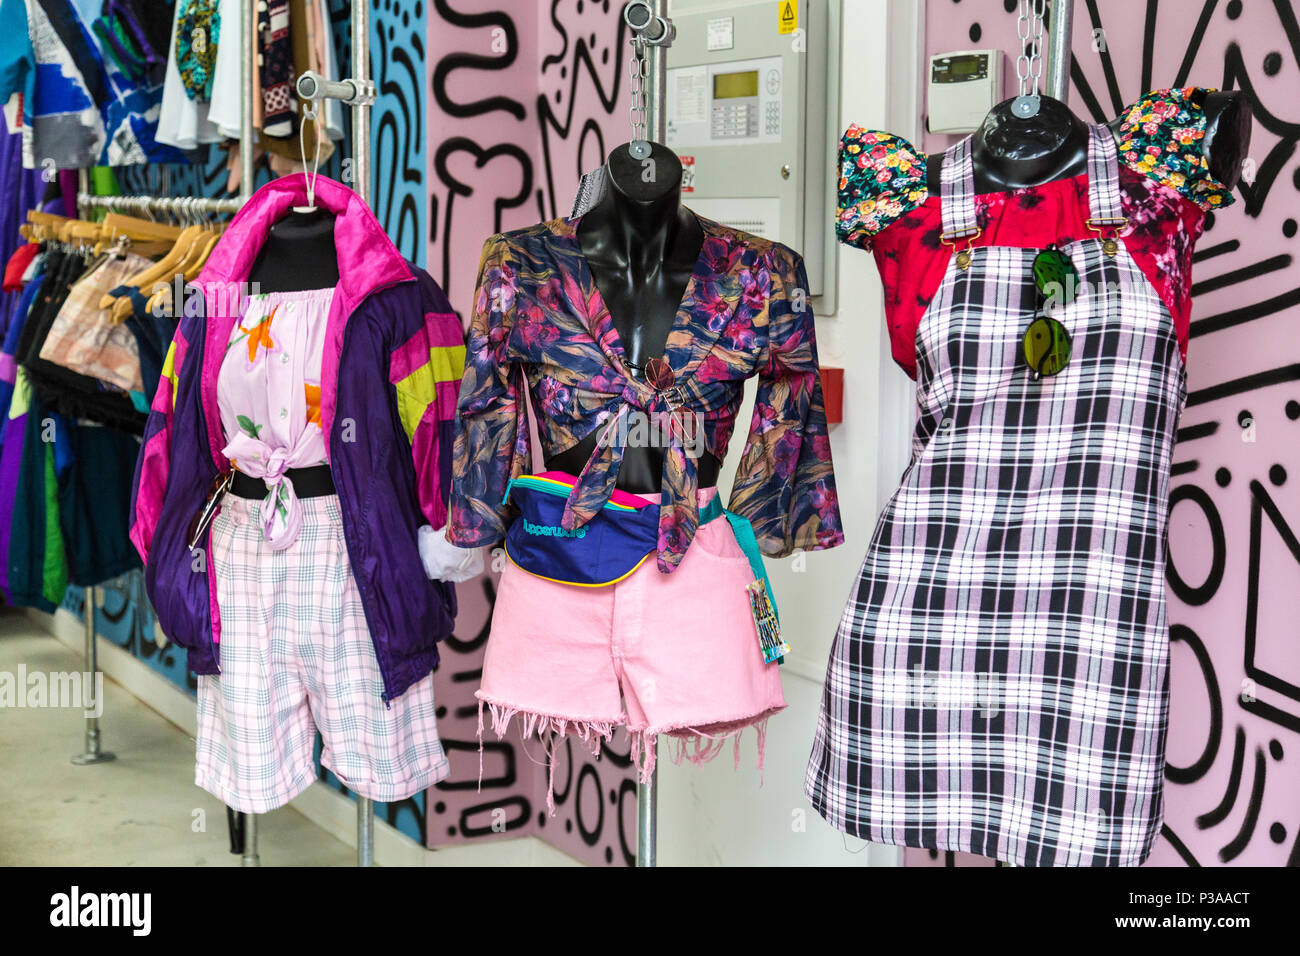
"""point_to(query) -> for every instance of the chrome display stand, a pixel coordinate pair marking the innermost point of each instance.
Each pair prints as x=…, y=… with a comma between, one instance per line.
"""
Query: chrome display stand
x=358, y=91
x=652, y=31
x=94, y=752
x=1058, y=49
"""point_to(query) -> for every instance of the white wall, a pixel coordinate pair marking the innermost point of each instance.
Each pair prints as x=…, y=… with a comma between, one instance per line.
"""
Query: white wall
x=715, y=814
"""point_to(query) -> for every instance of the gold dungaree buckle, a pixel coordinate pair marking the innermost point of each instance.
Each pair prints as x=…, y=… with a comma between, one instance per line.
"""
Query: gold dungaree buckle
x=1109, y=244
x=963, y=254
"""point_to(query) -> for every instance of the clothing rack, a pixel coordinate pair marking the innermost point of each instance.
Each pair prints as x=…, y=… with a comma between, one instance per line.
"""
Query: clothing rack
x=94, y=752
x=359, y=93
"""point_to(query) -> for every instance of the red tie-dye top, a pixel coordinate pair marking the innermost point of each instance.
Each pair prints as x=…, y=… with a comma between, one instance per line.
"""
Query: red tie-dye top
x=1165, y=187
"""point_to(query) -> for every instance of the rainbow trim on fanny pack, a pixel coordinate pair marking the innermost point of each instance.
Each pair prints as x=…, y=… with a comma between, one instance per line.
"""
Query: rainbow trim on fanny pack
x=561, y=483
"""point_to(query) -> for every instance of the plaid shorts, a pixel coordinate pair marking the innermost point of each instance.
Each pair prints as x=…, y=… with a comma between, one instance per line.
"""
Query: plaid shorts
x=296, y=657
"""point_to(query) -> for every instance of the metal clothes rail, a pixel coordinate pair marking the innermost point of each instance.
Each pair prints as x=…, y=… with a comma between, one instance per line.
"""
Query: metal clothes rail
x=178, y=205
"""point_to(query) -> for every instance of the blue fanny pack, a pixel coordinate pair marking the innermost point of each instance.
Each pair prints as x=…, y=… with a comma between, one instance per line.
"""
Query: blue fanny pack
x=609, y=547
x=603, y=551
x=615, y=542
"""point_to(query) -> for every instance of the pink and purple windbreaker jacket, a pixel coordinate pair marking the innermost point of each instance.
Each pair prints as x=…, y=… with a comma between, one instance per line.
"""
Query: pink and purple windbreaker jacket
x=394, y=356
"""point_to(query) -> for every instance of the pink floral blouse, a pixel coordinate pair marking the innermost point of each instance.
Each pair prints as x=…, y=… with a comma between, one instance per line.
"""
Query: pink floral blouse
x=268, y=391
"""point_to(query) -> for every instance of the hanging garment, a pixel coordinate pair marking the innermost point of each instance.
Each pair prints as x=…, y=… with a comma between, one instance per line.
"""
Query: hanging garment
x=61, y=389
x=295, y=653
x=8, y=363
x=393, y=357
x=94, y=503
x=198, y=33
x=83, y=338
x=36, y=570
x=539, y=320
x=48, y=55
x=275, y=66
x=182, y=121
x=153, y=334
x=999, y=681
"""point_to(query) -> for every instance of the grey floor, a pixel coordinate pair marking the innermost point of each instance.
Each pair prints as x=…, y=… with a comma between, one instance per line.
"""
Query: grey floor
x=139, y=810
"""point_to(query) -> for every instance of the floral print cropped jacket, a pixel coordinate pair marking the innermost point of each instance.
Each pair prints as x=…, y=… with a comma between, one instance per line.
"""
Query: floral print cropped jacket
x=539, y=323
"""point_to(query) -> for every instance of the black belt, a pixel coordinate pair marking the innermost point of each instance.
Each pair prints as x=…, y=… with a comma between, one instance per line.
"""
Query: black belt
x=313, y=482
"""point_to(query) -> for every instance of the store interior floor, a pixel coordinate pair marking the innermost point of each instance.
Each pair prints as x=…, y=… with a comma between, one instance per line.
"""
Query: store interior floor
x=140, y=809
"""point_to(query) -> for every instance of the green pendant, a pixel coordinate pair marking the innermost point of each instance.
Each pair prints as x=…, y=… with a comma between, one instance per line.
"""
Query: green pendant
x=1047, y=346
x=1056, y=277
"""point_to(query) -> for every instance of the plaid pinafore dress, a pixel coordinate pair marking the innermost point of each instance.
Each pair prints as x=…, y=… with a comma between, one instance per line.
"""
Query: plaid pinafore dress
x=998, y=682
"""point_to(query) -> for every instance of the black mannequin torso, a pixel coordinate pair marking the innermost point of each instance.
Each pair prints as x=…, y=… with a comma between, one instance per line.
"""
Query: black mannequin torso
x=641, y=246
x=1012, y=153
x=298, y=254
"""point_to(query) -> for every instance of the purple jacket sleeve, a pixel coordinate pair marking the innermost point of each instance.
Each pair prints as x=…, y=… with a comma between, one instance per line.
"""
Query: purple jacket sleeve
x=425, y=372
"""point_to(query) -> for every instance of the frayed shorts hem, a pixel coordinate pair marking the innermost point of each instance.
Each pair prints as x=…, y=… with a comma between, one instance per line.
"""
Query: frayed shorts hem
x=696, y=742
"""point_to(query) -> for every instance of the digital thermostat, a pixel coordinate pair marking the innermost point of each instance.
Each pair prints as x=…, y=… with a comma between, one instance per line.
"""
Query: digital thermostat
x=963, y=87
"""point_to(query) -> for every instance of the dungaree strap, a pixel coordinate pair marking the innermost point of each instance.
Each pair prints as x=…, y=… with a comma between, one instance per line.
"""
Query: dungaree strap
x=957, y=191
x=1104, y=205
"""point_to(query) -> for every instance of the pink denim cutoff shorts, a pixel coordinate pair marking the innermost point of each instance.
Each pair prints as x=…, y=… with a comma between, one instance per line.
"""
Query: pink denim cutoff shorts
x=674, y=654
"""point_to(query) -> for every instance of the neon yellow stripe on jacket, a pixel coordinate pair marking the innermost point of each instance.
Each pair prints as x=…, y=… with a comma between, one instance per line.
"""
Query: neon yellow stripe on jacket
x=417, y=391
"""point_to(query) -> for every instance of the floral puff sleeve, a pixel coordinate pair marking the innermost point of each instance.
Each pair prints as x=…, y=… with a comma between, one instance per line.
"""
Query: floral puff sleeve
x=785, y=483
x=492, y=437
x=1162, y=137
x=881, y=179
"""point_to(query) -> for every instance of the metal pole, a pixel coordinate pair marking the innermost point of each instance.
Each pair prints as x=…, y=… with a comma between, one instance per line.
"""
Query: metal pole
x=250, y=857
x=365, y=831
x=176, y=204
x=647, y=794
x=361, y=108
x=94, y=746
x=657, y=83
x=647, y=808
x=1059, y=35
x=361, y=186
x=247, y=23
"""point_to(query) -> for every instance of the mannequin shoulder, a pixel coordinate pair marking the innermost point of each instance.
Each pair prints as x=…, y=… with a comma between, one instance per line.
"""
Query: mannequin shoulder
x=882, y=177
x=433, y=300
x=1162, y=136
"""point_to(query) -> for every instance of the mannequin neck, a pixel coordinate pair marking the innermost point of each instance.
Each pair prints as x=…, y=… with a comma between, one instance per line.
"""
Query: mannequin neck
x=1029, y=152
x=299, y=253
x=638, y=218
x=1009, y=152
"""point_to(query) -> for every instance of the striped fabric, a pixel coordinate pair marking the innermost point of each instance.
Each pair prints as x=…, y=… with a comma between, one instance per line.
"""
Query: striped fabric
x=998, y=683
x=425, y=372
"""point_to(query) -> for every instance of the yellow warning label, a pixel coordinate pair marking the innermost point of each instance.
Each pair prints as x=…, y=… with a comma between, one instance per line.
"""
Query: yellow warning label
x=788, y=16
